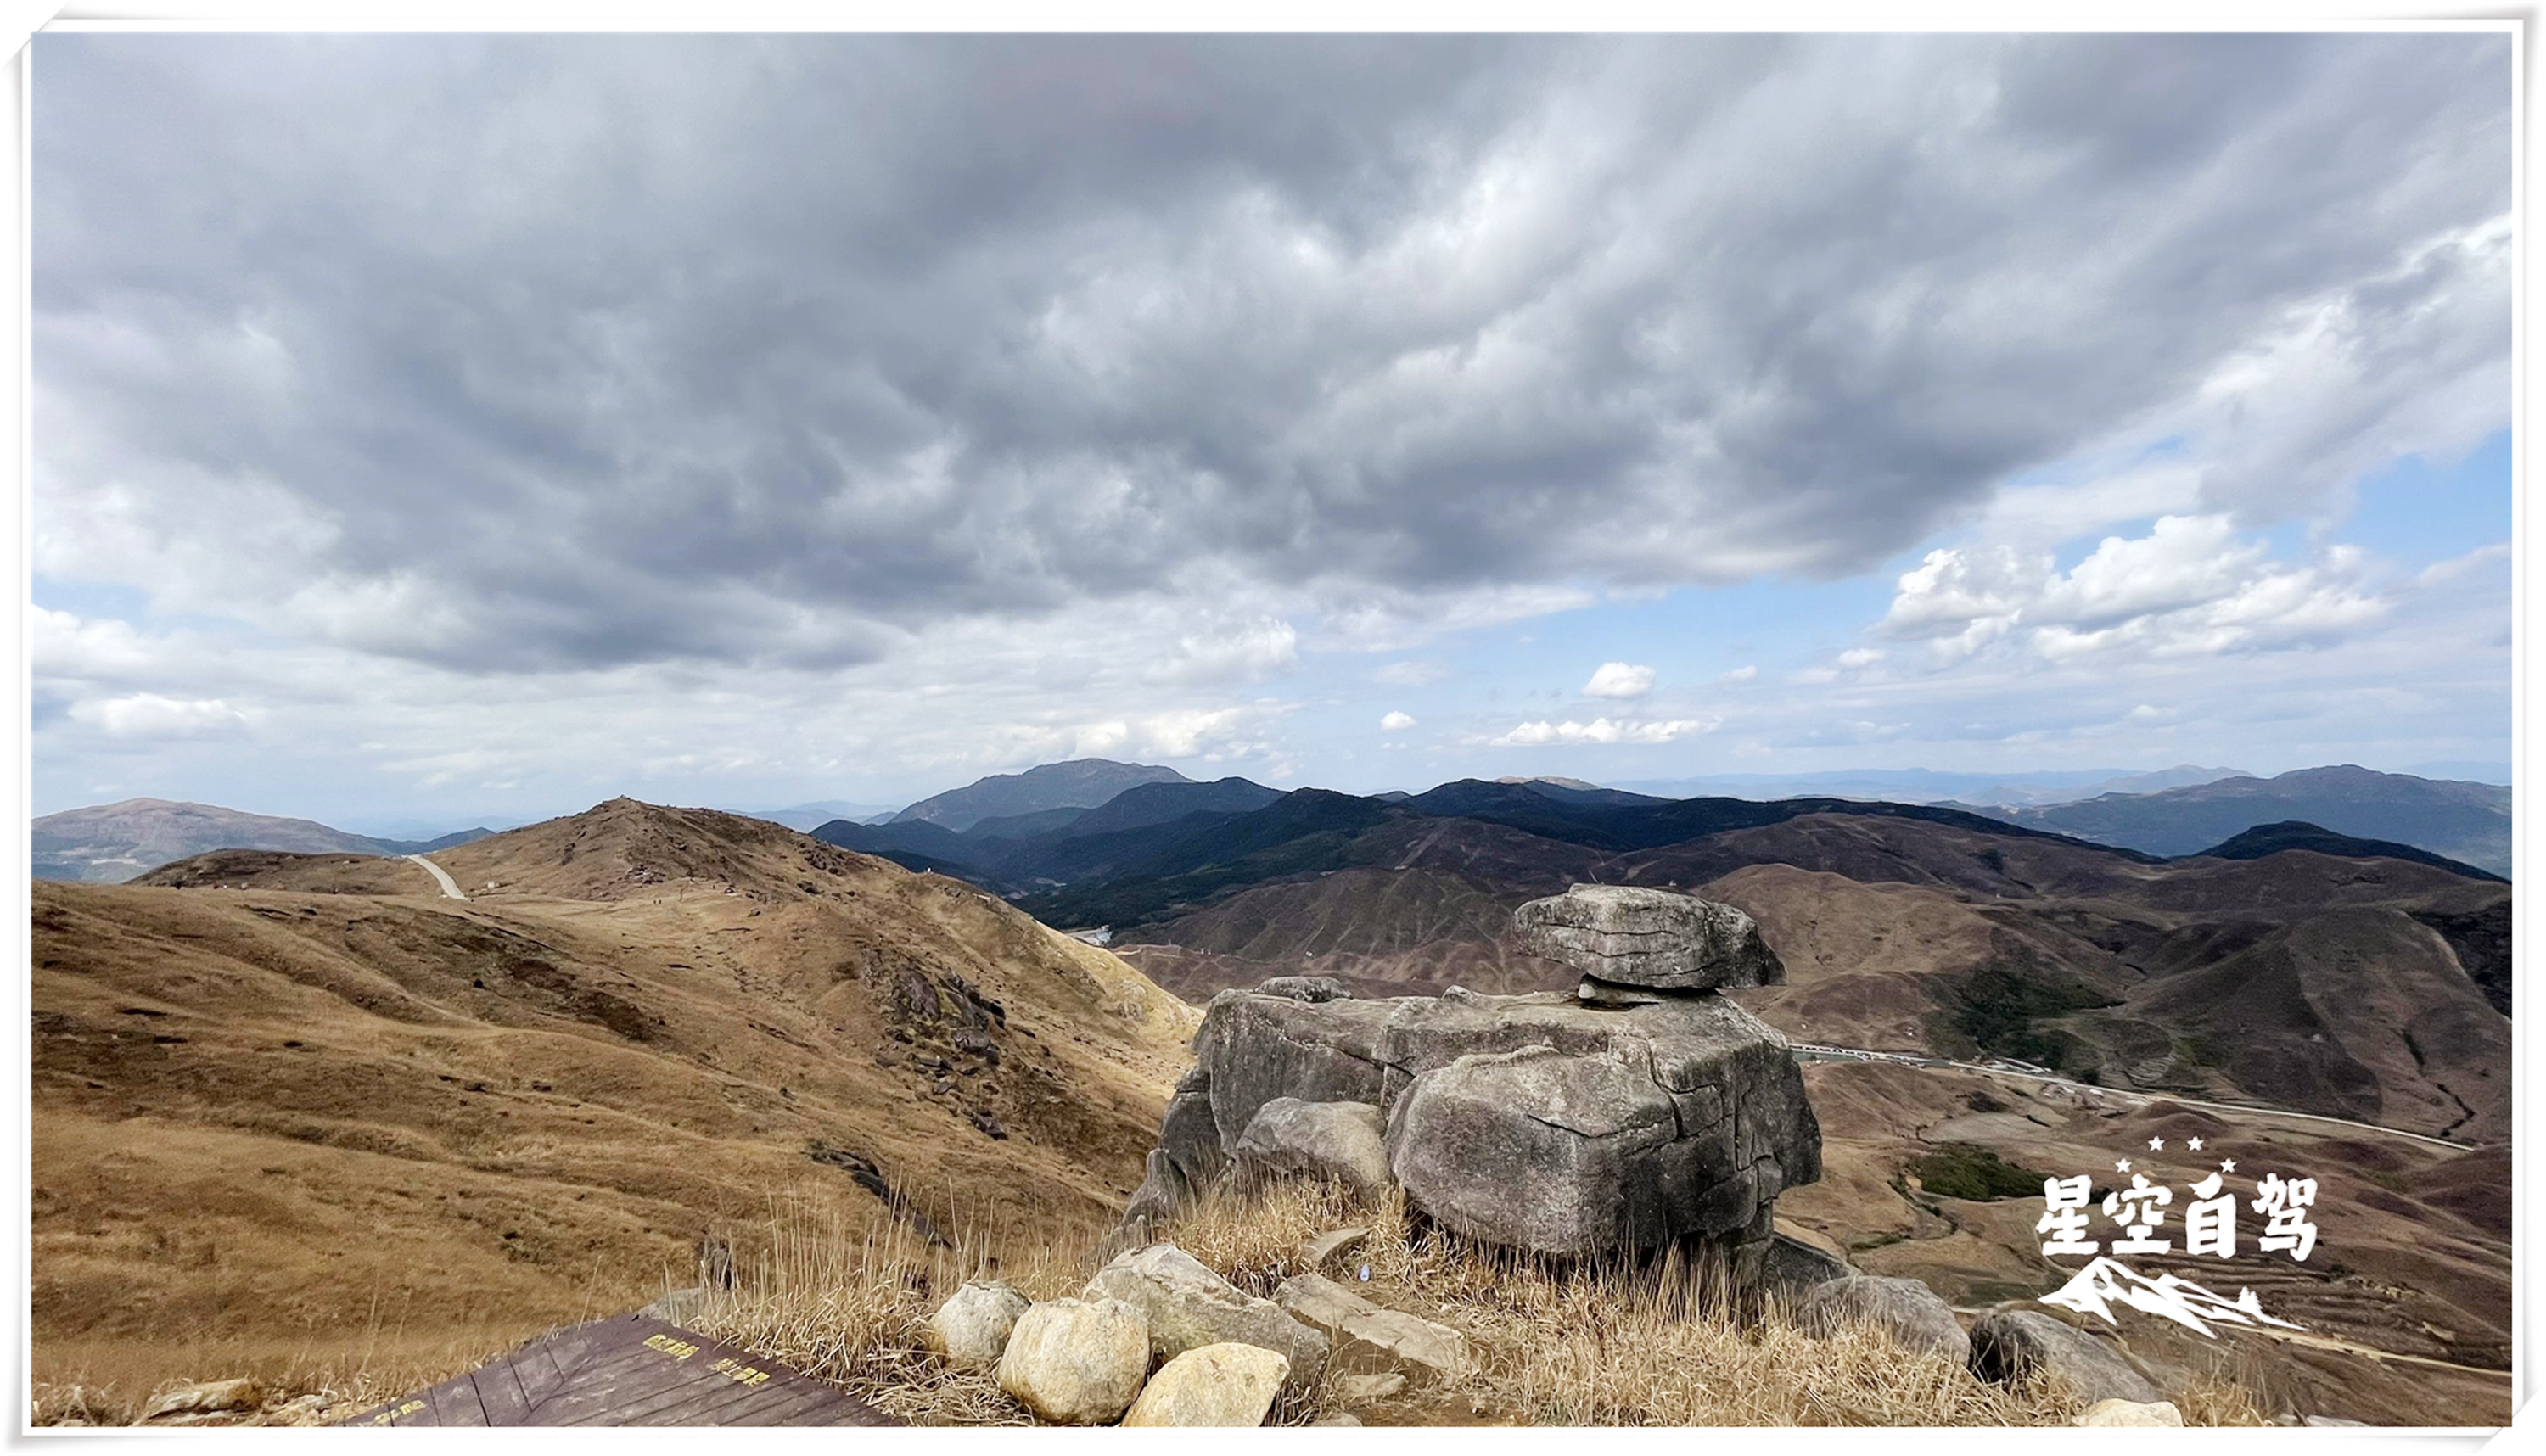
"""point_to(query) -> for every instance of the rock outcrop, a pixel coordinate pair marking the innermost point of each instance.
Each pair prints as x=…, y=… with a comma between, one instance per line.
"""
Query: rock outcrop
x=1649, y=1111
x=1211, y=1385
x=1186, y=1307
x=1075, y=1362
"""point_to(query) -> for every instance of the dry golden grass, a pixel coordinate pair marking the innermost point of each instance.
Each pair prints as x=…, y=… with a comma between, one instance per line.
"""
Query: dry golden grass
x=1658, y=1346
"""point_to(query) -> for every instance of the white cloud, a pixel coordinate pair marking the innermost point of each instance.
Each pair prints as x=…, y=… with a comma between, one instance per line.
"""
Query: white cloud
x=1242, y=653
x=1619, y=680
x=1739, y=675
x=1396, y=723
x=1855, y=657
x=151, y=716
x=2189, y=587
x=1604, y=730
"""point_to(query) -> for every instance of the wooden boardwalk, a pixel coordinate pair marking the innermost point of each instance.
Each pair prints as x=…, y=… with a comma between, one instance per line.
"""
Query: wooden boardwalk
x=630, y=1370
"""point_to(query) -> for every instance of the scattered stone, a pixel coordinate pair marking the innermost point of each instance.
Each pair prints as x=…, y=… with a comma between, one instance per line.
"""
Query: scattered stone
x=1338, y=1418
x=2009, y=1344
x=1075, y=1362
x=1593, y=991
x=2132, y=1412
x=677, y=1305
x=1628, y=936
x=1211, y=1385
x=1302, y=987
x=204, y=1399
x=1369, y=1338
x=2326, y=1420
x=971, y=1330
x=1362, y=1389
x=989, y=1124
x=1905, y=1309
x=1340, y=1142
x=1334, y=1246
x=1186, y=1307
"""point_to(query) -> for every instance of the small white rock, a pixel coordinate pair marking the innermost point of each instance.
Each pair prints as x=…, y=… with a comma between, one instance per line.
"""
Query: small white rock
x=971, y=1330
x=2132, y=1412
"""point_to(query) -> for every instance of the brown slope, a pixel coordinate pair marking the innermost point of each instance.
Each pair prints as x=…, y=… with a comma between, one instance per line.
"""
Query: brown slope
x=263, y=1116
x=1878, y=965
x=2362, y=1009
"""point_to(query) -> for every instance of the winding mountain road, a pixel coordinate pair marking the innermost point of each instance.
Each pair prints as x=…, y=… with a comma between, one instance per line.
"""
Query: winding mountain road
x=1812, y=1052
x=441, y=876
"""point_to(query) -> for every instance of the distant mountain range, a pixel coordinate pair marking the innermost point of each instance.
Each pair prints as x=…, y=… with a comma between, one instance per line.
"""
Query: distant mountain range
x=820, y=811
x=1081, y=782
x=2315, y=968
x=110, y=843
x=1929, y=786
x=2461, y=820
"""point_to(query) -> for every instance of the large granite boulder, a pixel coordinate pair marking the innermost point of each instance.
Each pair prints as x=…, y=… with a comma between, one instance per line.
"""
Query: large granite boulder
x=1340, y=1143
x=2009, y=1344
x=1530, y=1122
x=1623, y=935
x=1187, y=1307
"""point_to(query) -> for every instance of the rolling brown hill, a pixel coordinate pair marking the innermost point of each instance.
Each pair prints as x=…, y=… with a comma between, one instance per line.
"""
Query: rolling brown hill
x=325, y=1107
x=2323, y=982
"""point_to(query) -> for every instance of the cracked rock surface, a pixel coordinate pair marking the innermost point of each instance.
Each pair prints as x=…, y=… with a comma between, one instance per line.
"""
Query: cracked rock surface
x=1624, y=935
x=1530, y=1122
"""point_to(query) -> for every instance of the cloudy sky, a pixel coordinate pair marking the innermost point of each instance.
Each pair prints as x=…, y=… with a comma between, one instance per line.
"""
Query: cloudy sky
x=431, y=428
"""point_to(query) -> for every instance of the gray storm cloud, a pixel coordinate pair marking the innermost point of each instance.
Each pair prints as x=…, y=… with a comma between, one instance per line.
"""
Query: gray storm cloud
x=518, y=354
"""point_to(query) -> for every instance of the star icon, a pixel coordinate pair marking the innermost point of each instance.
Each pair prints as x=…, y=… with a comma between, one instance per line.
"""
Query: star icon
x=2156, y=1143
x=2227, y=1164
x=2123, y=1167
x=2196, y=1145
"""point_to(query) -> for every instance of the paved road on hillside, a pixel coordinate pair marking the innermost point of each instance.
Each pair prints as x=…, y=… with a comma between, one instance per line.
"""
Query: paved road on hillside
x=1817, y=1053
x=440, y=875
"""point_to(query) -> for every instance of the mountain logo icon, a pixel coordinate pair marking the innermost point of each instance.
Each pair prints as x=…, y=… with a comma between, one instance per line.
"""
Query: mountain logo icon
x=2103, y=1282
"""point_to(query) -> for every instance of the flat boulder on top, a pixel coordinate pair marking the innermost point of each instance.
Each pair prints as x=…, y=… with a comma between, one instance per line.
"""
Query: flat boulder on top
x=2009, y=1344
x=1625, y=935
x=1211, y=1385
x=1187, y=1305
x=1075, y=1362
x=1340, y=1142
x=1905, y=1309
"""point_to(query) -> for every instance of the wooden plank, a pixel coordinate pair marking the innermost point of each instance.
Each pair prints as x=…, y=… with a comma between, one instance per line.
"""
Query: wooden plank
x=628, y=1371
x=501, y=1393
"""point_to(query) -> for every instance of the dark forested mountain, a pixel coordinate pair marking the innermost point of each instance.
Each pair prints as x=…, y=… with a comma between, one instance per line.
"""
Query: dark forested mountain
x=1081, y=782
x=2289, y=962
x=2462, y=820
x=2263, y=839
